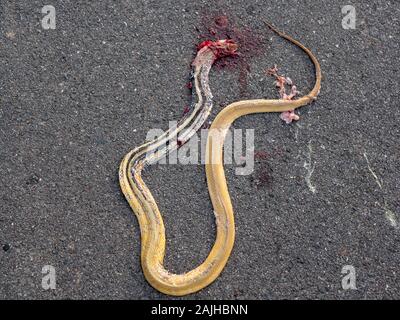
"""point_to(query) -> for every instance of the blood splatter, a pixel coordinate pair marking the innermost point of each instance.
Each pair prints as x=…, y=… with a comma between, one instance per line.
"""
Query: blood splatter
x=263, y=177
x=216, y=26
x=221, y=21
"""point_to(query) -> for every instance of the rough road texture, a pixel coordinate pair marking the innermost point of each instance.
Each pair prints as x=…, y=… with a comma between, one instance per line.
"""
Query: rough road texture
x=74, y=100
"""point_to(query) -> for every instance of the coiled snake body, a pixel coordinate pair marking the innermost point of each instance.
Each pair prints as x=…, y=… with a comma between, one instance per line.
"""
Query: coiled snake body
x=141, y=200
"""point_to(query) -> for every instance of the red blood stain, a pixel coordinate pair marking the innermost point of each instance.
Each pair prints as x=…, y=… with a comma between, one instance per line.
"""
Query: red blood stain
x=186, y=110
x=219, y=48
x=206, y=43
x=262, y=155
x=263, y=177
x=221, y=21
x=250, y=44
x=213, y=32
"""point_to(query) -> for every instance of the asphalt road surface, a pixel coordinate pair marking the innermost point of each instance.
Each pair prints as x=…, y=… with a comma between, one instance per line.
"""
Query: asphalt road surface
x=323, y=195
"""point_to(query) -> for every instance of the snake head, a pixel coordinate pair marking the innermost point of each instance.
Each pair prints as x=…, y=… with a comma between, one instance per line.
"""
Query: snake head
x=214, y=50
x=220, y=48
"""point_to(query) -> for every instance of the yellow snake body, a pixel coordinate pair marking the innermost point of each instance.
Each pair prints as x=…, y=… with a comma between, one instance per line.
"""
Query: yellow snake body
x=144, y=205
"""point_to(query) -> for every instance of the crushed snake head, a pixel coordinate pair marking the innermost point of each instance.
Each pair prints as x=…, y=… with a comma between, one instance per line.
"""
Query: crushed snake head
x=214, y=50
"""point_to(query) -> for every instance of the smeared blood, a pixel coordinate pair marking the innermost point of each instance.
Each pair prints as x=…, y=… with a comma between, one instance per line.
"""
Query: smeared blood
x=262, y=155
x=262, y=176
x=219, y=26
x=203, y=44
x=186, y=110
x=221, y=21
